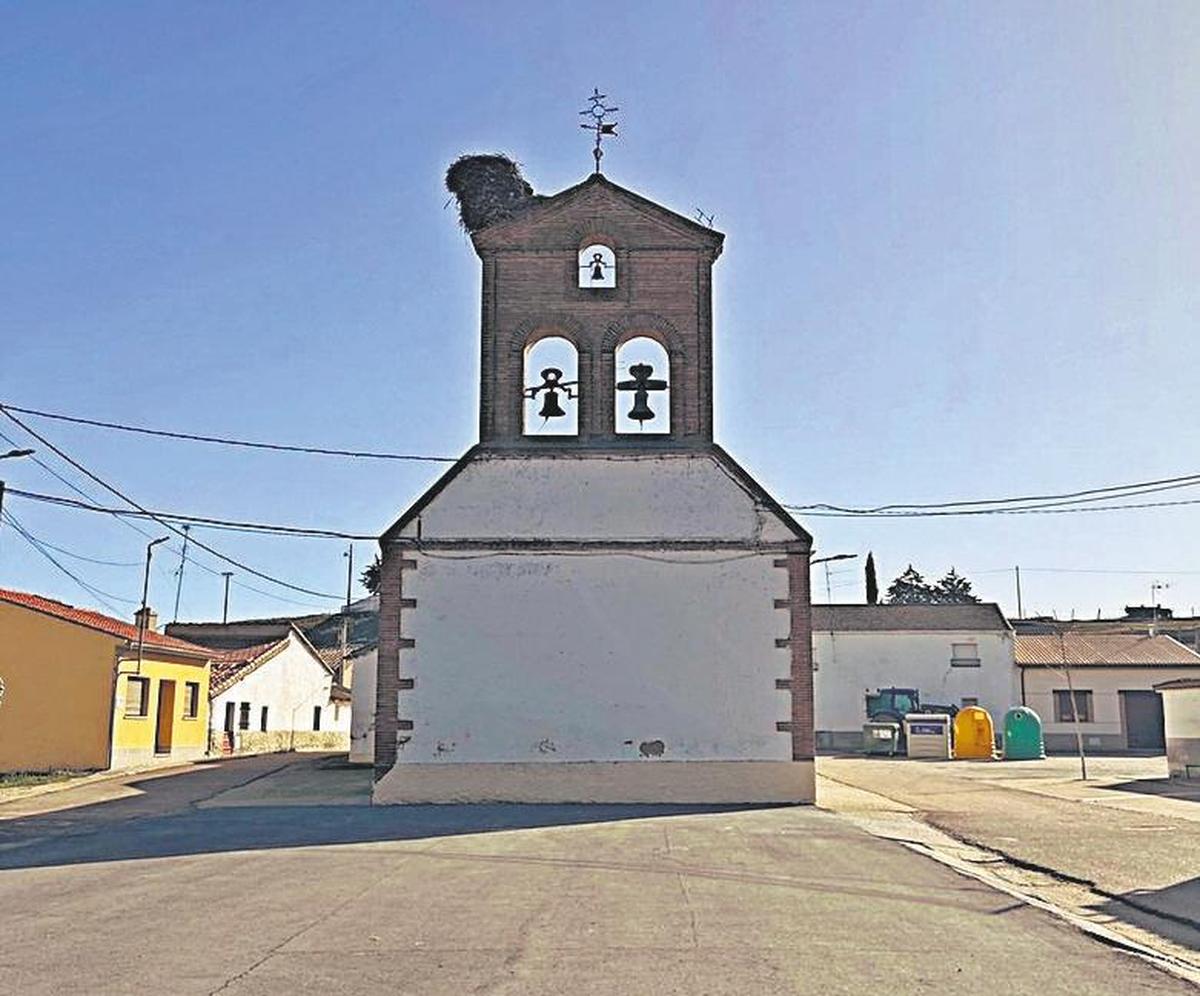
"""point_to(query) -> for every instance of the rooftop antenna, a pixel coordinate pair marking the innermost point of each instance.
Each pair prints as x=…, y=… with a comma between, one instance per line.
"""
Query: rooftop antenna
x=598, y=111
x=705, y=219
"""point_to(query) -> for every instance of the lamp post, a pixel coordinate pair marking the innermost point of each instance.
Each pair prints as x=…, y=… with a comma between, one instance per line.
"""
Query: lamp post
x=144, y=612
x=8, y=456
x=827, y=561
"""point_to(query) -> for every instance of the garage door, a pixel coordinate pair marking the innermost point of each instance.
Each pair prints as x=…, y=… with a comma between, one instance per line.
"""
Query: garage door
x=1143, y=713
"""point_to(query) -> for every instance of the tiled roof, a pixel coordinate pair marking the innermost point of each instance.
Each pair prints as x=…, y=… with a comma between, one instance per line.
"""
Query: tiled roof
x=98, y=621
x=1178, y=683
x=1102, y=650
x=912, y=618
x=230, y=666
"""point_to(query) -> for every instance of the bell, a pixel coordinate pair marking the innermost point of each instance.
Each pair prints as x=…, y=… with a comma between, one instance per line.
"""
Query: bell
x=641, y=411
x=597, y=267
x=550, y=406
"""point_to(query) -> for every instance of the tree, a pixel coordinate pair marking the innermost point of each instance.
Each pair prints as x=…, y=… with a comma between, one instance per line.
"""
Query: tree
x=954, y=589
x=370, y=576
x=872, y=581
x=910, y=588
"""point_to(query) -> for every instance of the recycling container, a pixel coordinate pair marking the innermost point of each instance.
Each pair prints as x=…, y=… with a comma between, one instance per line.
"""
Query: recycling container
x=881, y=738
x=1023, y=735
x=974, y=734
x=928, y=735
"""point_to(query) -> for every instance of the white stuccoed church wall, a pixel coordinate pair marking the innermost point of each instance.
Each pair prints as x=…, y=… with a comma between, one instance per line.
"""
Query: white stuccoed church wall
x=616, y=658
x=589, y=657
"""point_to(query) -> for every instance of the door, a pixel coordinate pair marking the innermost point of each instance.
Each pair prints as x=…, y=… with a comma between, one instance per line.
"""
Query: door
x=164, y=724
x=1143, y=714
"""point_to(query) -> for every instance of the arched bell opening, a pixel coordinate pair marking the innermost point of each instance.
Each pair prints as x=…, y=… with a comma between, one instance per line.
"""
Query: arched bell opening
x=597, y=267
x=551, y=388
x=643, y=387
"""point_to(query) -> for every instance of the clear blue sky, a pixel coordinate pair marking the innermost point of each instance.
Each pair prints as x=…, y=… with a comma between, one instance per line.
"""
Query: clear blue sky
x=961, y=260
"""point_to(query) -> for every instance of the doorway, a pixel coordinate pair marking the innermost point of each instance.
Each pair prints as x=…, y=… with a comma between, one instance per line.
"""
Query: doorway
x=164, y=725
x=1143, y=714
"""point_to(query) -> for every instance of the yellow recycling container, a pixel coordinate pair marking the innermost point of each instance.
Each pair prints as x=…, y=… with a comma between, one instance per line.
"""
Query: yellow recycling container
x=974, y=735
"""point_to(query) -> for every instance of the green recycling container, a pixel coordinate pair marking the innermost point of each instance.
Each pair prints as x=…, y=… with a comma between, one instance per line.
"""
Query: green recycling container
x=1023, y=735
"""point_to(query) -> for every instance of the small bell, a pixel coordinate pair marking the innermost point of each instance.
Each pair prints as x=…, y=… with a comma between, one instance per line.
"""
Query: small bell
x=550, y=406
x=641, y=411
x=597, y=266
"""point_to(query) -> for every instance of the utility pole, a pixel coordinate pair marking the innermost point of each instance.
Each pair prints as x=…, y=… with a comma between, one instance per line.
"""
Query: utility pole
x=225, y=612
x=1020, y=611
x=349, y=555
x=179, y=581
x=1062, y=652
x=143, y=613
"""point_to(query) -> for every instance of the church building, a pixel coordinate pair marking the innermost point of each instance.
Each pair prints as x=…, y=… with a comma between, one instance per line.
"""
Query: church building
x=596, y=603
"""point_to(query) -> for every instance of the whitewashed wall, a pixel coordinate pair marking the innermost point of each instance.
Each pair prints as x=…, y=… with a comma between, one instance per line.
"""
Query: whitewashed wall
x=1181, y=715
x=850, y=664
x=588, y=657
x=290, y=684
x=362, y=719
x=1105, y=684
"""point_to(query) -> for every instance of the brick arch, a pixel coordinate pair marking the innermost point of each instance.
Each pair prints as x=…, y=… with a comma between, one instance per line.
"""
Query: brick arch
x=602, y=230
x=533, y=330
x=643, y=323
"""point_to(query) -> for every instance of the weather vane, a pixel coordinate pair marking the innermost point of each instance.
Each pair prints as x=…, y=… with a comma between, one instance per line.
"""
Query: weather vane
x=598, y=112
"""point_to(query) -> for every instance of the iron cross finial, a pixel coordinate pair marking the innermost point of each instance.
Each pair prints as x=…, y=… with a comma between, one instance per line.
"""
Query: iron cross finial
x=598, y=112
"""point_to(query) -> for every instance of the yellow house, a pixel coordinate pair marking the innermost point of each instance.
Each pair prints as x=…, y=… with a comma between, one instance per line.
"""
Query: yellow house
x=73, y=694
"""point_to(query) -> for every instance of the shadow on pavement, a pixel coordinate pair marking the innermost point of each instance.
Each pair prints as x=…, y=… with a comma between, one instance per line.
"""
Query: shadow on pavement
x=91, y=837
x=1168, y=788
x=1173, y=912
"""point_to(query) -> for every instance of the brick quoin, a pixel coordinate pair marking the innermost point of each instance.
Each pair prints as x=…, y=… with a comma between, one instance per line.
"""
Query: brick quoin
x=800, y=641
x=387, y=671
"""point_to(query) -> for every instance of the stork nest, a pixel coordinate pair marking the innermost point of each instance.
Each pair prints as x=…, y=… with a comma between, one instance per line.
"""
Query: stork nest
x=489, y=188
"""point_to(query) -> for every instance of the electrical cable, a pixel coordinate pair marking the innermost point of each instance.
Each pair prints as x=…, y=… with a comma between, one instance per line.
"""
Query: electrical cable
x=163, y=522
x=228, y=441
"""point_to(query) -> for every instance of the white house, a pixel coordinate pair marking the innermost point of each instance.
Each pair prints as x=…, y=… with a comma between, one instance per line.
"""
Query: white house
x=1113, y=676
x=277, y=696
x=959, y=655
x=1181, y=714
x=363, y=659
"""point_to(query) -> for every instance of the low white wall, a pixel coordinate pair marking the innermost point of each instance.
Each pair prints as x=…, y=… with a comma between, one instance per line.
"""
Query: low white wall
x=290, y=685
x=850, y=664
x=595, y=657
x=362, y=704
x=1105, y=684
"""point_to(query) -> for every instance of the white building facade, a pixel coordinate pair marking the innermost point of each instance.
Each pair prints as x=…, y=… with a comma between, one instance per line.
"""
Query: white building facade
x=1181, y=711
x=275, y=697
x=960, y=655
x=362, y=704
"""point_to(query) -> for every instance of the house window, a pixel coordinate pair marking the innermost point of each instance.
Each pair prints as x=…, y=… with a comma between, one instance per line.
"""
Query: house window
x=244, y=716
x=262, y=720
x=1062, y=706
x=230, y=710
x=964, y=655
x=191, y=700
x=968, y=701
x=137, y=696
x=316, y=717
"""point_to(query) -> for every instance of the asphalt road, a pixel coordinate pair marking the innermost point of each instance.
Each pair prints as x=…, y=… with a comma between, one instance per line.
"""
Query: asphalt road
x=185, y=894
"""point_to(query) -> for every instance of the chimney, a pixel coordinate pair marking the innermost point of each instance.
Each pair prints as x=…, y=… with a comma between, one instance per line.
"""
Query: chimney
x=151, y=618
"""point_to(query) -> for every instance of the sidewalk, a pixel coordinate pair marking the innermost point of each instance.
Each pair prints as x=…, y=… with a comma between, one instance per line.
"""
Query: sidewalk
x=1129, y=839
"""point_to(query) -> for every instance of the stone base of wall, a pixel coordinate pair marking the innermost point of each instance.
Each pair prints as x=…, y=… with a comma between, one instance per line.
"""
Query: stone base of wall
x=1064, y=743
x=136, y=758
x=1183, y=757
x=601, y=781
x=275, y=741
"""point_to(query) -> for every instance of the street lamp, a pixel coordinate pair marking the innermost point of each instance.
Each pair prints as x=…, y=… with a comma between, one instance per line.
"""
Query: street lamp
x=6, y=456
x=143, y=612
x=827, y=561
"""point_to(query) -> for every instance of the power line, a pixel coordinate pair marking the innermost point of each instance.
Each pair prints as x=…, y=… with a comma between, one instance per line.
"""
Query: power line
x=97, y=593
x=142, y=532
x=1031, y=510
x=227, y=441
x=163, y=522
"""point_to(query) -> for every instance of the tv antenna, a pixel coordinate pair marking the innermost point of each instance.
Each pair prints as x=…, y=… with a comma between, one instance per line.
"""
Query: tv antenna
x=705, y=219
